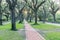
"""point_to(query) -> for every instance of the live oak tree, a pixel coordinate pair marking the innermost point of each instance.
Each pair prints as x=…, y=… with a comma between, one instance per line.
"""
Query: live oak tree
x=12, y=4
x=53, y=9
x=35, y=6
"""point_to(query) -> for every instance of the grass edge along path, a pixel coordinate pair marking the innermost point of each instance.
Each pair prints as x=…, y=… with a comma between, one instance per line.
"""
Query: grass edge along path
x=43, y=26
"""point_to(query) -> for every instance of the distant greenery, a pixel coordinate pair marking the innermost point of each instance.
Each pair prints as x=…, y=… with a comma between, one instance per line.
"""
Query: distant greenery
x=53, y=36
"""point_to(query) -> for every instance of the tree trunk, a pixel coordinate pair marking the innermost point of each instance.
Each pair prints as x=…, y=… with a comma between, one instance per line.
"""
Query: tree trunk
x=54, y=18
x=0, y=15
x=20, y=21
x=7, y=18
x=35, y=17
x=40, y=19
x=13, y=20
x=30, y=19
x=44, y=14
x=0, y=18
x=21, y=18
x=28, y=15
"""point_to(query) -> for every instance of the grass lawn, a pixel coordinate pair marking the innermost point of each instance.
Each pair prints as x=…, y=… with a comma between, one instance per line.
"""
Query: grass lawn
x=10, y=35
x=53, y=36
x=43, y=26
x=8, y=26
x=7, y=34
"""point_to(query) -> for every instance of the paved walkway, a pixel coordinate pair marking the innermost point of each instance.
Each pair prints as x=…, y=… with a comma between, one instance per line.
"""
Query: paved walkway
x=31, y=33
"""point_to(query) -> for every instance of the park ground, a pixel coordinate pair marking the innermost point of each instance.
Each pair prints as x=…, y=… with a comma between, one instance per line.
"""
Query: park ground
x=48, y=31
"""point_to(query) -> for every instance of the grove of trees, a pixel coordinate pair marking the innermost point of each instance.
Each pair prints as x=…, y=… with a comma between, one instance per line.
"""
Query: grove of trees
x=36, y=10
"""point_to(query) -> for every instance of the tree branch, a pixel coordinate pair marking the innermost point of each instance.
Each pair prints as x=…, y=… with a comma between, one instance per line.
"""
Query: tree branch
x=56, y=9
x=20, y=11
x=28, y=4
x=25, y=1
x=33, y=1
x=36, y=3
x=41, y=4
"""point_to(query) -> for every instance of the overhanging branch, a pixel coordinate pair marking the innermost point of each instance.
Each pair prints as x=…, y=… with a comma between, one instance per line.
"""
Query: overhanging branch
x=56, y=9
x=29, y=5
x=41, y=4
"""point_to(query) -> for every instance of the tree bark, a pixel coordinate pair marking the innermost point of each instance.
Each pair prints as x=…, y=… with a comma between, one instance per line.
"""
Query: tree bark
x=0, y=18
x=44, y=14
x=21, y=18
x=7, y=18
x=30, y=19
x=13, y=20
x=54, y=18
x=35, y=17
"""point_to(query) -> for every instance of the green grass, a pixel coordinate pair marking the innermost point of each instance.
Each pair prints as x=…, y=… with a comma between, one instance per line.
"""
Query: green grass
x=8, y=26
x=53, y=36
x=43, y=26
x=7, y=34
x=19, y=26
x=10, y=35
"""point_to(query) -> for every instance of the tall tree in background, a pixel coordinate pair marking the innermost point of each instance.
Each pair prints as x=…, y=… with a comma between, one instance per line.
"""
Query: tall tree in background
x=53, y=9
x=21, y=17
x=44, y=14
x=20, y=7
x=12, y=4
x=30, y=15
x=35, y=6
x=0, y=13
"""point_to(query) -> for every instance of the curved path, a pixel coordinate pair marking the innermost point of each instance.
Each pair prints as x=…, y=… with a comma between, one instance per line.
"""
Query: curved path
x=31, y=33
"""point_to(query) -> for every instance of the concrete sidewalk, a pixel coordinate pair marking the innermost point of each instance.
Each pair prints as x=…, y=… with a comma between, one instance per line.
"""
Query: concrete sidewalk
x=31, y=33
